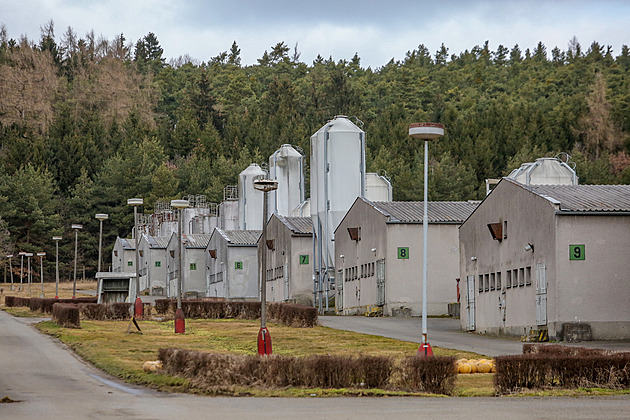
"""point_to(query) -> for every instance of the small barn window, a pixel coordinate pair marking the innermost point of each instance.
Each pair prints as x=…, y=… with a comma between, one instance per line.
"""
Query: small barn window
x=492, y=281
x=528, y=276
x=355, y=233
x=505, y=229
x=496, y=230
x=521, y=276
x=480, y=283
x=499, y=280
x=486, y=280
x=508, y=279
x=116, y=253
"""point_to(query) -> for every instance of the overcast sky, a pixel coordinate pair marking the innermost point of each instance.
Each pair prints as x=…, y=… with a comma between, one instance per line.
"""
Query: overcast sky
x=377, y=30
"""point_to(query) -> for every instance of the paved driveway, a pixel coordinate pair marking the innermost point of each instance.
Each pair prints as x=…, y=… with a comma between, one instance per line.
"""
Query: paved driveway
x=443, y=332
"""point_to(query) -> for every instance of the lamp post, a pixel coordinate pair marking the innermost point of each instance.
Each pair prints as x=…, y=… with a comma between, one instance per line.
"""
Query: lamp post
x=10, y=256
x=180, y=322
x=264, y=338
x=22, y=254
x=135, y=202
x=426, y=132
x=100, y=217
x=41, y=256
x=57, y=239
x=76, y=228
x=28, y=270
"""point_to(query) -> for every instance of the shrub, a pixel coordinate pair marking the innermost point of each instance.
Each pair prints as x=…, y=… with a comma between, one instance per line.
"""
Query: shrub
x=66, y=315
x=428, y=374
x=292, y=315
x=105, y=312
x=545, y=370
x=215, y=371
x=9, y=301
x=22, y=301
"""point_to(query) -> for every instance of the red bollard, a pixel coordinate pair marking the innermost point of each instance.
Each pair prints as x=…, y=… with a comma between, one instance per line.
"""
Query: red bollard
x=425, y=350
x=138, y=309
x=180, y=322
x=264, y=342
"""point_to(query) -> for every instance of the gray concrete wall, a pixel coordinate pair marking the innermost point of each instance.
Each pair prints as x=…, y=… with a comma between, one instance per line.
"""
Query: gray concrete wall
x=530, y=220
x=404, y=276
x=596, y=290
x=216, y=267
x=284, y=259
x=194, y=278
x=242, y=283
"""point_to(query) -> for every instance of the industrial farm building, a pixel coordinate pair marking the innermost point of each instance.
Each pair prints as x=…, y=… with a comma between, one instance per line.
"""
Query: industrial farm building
x=379, y=257
x=552, y=259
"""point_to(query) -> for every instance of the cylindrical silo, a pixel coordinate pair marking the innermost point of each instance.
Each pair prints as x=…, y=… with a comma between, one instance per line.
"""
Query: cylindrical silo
x=337, y=179
x=377, y=187
x=286, y=166
x=250, y=200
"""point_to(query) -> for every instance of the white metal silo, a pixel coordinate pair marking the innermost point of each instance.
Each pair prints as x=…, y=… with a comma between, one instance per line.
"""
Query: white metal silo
x=250, y=200
x=337, y=179
x=286, y=166
x=545, y=171
x=377, y=187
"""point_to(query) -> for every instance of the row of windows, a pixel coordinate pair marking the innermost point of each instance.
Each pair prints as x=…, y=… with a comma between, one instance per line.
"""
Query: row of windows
x=275, y=273
x=216, y=278
x=518, y=277
x=359, y=272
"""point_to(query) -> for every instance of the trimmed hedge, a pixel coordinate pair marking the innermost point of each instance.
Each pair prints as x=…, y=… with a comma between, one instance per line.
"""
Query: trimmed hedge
x=45, y=305
x=105, y=312
x=562, y=368
x=16, y=301
x=284, y=313
x=66, y=315
x=215, y=372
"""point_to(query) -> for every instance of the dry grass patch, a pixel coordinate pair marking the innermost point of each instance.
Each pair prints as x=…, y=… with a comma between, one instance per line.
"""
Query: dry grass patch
x=65, y=289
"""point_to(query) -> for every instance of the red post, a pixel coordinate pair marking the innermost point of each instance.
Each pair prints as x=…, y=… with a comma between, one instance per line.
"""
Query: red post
x=180, y=322
x=425, y=350
x=138, y=309
x=264, y=342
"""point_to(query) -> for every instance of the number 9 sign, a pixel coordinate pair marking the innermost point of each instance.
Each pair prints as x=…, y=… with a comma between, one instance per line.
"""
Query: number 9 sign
x=577, y=252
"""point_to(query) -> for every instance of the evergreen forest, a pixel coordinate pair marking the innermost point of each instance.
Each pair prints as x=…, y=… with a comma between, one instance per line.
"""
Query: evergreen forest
x=87, y=122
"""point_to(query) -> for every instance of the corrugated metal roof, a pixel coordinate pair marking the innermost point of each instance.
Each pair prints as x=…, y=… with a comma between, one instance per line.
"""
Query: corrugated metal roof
x=128, y=243
x=157, y=241
x=586, y=198
x=438, y=211
x=241, y=237
x=196, y=240
x=299, y=225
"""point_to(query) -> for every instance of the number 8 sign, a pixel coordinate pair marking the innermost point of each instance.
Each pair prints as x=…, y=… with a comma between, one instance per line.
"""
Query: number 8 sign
x=403, y=253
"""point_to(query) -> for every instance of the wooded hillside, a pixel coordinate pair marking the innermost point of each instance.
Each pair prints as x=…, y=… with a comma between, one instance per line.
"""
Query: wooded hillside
x=87, y=122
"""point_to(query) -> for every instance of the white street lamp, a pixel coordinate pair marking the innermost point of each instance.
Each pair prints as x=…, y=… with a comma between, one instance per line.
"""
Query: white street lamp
x=180, y=322
x=100, y=217
x=135, y=202
x=41, y=256
x=10, y=256
x=426, y=132
x=76, y=228
x=264, y=338
x=57, y=239
x=28, y=270
x=21, y=254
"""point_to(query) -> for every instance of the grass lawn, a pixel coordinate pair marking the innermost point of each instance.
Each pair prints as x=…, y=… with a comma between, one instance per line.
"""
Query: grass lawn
x=65, y=289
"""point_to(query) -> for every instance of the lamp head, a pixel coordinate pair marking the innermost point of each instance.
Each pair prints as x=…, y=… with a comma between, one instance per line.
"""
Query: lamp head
x=77, y=226
x=102, y=216
x=180, y=204
x=426, y=131
x=135, y=202
x=266, y=185
x=57, y=238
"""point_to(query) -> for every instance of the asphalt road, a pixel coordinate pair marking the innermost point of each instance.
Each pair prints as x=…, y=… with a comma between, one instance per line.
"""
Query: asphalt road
x=49, y=382
x=444, y=332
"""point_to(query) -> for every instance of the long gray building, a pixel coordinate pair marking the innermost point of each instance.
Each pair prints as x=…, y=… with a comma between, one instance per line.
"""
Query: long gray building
x=550, y=258
x=379, y=257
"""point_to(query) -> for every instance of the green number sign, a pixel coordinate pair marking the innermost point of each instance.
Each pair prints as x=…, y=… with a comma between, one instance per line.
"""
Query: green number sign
x=238, y=265
x=403, y=253
x=577, y=252
x=193, y=266
x=158, y=263
x=303, y=259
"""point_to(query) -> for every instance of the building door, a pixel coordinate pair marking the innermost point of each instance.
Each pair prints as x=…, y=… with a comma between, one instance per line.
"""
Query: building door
x=470, y=302
x=286, y=282
x=339, y=298
x=380, y=282
x=541, y=294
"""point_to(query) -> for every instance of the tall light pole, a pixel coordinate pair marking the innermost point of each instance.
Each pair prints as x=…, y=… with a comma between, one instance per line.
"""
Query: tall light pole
x=41, y=256
x=57, y=239
x=29, y=276
x=264, y=338
x=180, y=322
x=135, y=202
x=10, y=257
x=22, y=254
x=426, y=132
x=100, y=217
x=76, y=228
